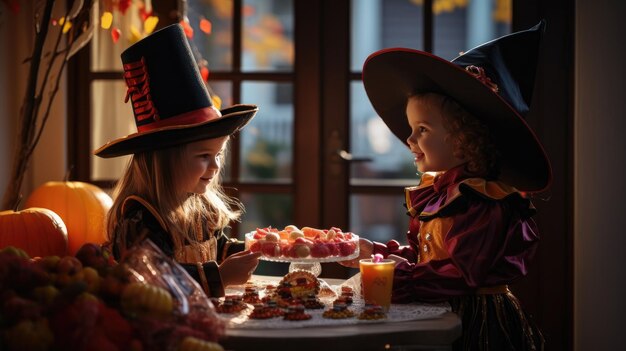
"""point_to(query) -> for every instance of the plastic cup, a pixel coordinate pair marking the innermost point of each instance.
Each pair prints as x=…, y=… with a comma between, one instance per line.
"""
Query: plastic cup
x=377, y=281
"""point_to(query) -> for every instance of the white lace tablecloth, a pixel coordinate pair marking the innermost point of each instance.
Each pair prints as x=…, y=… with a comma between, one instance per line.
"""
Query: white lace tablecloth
x=397, y=312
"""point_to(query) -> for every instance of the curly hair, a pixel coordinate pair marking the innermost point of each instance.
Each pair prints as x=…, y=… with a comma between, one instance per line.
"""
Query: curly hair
x=471, y=137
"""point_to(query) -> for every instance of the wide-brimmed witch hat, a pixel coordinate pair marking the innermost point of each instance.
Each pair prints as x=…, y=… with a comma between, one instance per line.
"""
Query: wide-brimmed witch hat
x=494, y=82
x=170, y=101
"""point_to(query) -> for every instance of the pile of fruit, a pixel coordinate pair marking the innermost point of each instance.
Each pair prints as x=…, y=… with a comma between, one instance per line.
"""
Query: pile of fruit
x=306, y=243
x=89, y=302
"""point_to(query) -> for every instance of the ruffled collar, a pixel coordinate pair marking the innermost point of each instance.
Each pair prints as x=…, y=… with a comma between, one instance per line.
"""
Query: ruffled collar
x=443, y=180
x=438, y=191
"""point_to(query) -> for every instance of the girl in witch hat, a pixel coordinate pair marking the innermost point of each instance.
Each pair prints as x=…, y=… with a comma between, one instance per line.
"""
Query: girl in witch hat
x=171, y=192
x=470, y=231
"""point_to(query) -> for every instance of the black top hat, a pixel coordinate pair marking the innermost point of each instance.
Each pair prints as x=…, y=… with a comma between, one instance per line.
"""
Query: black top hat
x=493, y=81
x=170, y=101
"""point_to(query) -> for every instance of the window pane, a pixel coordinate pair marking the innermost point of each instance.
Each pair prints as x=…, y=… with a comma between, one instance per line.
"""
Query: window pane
x=105, y=54
x=370, y=137
x=267, y=35
x=379, y=24
x=263, y=210
x=461, y=26
x=111, y=119
x=379, y=217
x=267, y=142
x=223, y=89
x=212, y=23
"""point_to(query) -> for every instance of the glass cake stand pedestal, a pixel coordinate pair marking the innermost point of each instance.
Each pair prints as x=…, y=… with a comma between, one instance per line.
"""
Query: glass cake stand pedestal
x=312, y=265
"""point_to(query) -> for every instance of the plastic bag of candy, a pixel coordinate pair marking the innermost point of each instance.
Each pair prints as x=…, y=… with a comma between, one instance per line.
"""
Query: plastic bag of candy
x=164, y=302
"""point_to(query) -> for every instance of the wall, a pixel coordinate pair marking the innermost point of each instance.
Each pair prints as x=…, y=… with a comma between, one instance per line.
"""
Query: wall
x=9, y=84
x=599, y=218
x=49, y=158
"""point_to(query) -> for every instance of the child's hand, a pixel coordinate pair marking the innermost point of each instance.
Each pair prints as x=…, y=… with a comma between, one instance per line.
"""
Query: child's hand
x=366, y=249
x=237, y=268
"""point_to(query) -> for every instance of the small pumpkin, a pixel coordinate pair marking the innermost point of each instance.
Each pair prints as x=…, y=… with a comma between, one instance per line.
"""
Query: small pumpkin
x=82, y=206
x=38, y=231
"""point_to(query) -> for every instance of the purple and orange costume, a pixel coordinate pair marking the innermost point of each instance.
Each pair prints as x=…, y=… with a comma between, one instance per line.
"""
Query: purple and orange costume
x=468, y=238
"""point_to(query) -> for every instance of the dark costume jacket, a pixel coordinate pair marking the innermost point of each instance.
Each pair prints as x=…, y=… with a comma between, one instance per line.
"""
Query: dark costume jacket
x=141, y=221
x=468, y=237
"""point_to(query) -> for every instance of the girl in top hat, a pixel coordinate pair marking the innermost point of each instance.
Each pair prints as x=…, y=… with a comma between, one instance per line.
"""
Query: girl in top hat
x=470, y=231
x=171, y=193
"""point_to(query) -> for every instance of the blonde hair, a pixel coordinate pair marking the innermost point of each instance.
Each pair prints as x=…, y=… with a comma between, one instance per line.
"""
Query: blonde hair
x=471, y=137
x=152, y=175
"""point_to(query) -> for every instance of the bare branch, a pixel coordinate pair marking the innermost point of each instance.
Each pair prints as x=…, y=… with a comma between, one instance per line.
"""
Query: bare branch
x=30, y=97
x=46, y=76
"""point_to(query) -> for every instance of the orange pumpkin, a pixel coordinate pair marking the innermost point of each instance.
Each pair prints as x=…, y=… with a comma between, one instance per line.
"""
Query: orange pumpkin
x=38, y=231
x=82, y=206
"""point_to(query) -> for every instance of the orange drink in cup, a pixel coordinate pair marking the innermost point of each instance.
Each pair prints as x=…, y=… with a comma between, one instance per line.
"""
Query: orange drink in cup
x=376, y=281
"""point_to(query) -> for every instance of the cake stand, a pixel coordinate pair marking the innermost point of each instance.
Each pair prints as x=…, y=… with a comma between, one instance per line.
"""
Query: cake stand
x=309, y=263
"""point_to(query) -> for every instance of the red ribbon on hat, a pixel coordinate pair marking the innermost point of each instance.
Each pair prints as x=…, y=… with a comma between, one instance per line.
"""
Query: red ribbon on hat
x=138, y=82
x=480, y=74
x=192, y=117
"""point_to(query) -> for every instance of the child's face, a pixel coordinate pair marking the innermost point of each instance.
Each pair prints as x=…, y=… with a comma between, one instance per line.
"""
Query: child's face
x=429, y=141
x=202, y=163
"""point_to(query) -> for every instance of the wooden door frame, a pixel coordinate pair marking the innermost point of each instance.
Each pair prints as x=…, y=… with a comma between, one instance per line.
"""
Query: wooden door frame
x=547, y=292
x=307, y=122
x=335, y=111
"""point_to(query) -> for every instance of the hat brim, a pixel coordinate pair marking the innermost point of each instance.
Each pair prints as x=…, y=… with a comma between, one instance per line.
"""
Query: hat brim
x=390, y=76
x=233, y=119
